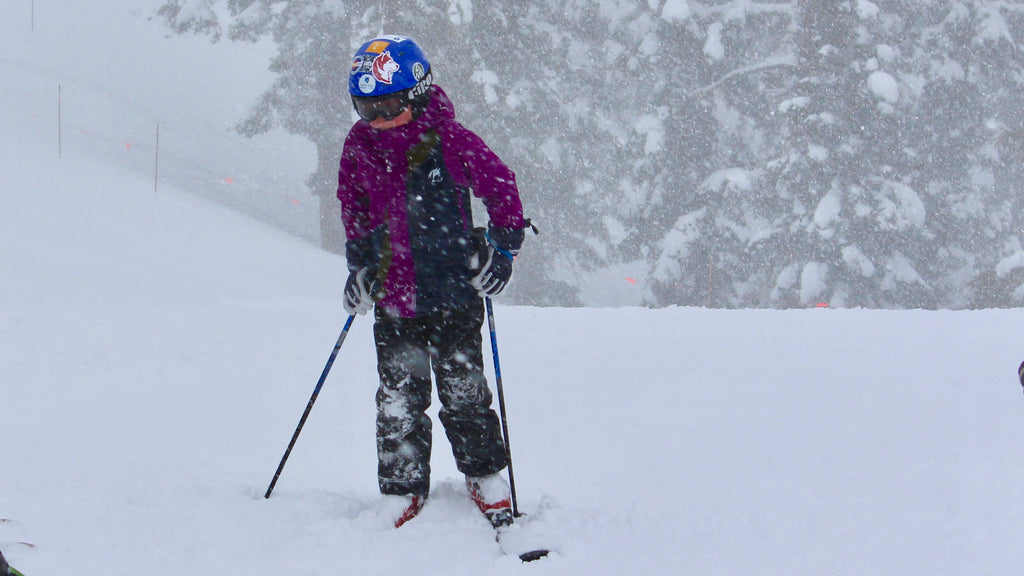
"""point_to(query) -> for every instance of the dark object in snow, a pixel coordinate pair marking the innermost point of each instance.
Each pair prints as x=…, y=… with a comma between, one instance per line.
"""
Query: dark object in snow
x=5, y=568
x=529, y=555
x=501, y=534
x=1020, y=373
x=533, y=555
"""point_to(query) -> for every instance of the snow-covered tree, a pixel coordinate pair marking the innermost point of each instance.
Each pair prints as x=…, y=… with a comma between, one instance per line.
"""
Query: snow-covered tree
x=972, y=105
x=723, y=152
x=714, y=242
x=309, y=97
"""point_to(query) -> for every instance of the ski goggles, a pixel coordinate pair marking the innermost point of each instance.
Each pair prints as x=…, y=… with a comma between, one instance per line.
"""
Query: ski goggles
x=386, y=106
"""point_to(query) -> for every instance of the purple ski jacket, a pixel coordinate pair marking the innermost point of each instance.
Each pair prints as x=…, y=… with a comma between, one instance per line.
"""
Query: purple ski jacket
x=405, y=205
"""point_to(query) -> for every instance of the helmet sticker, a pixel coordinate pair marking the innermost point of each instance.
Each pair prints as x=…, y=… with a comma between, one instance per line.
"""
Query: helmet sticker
x=389, y=64
x=384, y=66
x=367, y=83
x=423, y=85
x=360, y=63
x=378, y=46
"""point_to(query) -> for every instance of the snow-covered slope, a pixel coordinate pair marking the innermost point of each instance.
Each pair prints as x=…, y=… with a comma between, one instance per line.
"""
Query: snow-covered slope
x=125, y=88
x=156, y=351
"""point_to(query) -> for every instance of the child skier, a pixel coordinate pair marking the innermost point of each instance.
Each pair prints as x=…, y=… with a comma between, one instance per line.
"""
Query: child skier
x=407, y=170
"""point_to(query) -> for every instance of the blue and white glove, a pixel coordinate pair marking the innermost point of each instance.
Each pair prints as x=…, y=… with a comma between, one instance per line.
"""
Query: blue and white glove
x=494, y=274
x=498, y=252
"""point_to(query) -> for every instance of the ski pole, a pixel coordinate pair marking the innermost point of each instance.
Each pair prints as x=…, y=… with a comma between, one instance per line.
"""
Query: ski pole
x=501, y=404
x=309, y=406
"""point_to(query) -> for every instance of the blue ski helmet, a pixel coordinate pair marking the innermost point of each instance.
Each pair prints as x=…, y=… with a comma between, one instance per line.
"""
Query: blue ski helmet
x=389, y=64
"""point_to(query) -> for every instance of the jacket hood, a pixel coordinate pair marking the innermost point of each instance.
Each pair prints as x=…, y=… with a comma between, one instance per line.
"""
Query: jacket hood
x=439, y=109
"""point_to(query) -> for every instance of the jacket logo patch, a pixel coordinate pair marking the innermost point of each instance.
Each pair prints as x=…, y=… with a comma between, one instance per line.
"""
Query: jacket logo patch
x=435, y=176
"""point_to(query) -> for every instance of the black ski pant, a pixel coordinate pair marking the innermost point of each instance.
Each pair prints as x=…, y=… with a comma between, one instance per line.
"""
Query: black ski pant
x=447, y=342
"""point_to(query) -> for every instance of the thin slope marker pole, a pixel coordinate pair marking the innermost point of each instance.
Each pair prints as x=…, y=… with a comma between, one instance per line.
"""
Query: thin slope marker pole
x=156, y=159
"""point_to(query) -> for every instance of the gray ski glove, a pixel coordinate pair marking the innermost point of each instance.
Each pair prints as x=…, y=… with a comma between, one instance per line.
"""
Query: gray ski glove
x=361, y=292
